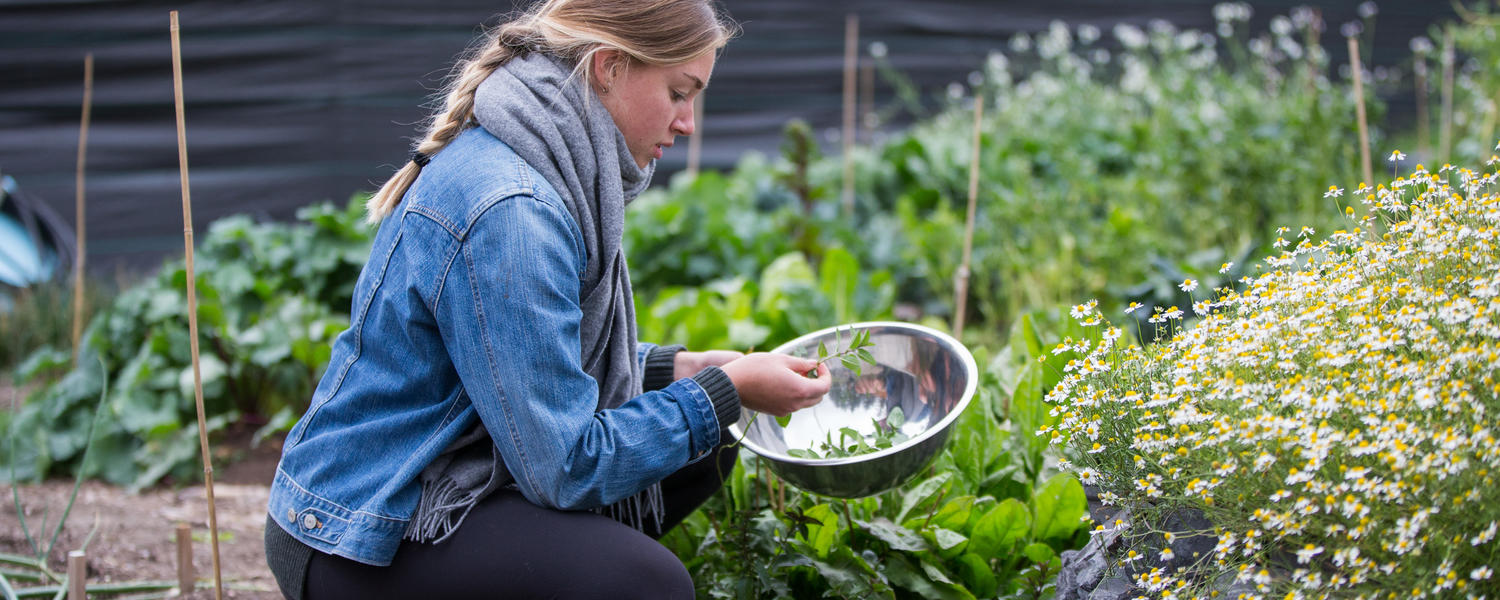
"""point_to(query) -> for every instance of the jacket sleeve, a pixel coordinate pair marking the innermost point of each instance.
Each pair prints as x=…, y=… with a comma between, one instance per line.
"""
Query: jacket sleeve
x=512, y=298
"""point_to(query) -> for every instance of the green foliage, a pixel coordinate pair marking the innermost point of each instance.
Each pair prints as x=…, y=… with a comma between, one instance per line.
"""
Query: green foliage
x=1473, y=123
x=41, y=316
x=1103, y=173
x=271, y=299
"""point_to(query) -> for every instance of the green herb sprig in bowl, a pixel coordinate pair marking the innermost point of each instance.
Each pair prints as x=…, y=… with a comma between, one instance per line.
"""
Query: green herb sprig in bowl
x=853, y=443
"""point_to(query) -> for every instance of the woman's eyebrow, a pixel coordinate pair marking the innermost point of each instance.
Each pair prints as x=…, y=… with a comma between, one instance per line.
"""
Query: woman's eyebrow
x=698, y=83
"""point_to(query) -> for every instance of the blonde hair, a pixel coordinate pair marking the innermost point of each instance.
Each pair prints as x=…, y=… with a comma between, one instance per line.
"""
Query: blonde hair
x=654, y=32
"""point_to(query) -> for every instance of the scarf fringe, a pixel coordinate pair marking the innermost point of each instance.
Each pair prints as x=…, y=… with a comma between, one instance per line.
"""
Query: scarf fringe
x=634, y=510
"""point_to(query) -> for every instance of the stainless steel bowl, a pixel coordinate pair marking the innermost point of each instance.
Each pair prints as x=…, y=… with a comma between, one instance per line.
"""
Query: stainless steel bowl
x=927, y=373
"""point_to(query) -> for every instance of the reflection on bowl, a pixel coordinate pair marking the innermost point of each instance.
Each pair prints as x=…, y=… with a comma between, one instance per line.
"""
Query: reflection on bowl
x=926, y=373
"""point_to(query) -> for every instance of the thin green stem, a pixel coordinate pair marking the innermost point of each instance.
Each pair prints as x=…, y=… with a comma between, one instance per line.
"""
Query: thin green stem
x=83, y=463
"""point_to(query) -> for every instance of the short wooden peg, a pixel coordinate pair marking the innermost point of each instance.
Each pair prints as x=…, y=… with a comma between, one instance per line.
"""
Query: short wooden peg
x=77, y=575
x=185, y=575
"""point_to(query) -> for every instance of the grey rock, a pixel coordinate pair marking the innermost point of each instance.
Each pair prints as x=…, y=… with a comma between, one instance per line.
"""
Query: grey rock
x=1090, y=568
x=1193, y=537
x=1067, y=588
x=1114, y=588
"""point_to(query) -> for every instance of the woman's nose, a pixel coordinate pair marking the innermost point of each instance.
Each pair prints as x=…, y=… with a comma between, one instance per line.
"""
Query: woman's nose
x=683, y=124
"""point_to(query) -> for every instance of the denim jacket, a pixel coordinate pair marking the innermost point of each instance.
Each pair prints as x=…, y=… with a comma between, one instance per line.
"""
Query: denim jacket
x=468, y=310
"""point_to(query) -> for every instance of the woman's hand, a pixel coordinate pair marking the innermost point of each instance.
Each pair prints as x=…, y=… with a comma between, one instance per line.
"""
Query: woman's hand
x=777, y=384
x=687, y=364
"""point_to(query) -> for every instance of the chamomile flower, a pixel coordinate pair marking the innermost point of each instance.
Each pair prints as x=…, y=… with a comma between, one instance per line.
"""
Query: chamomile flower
x=1188, y=285
x=1333, y=192
x=1396, y=155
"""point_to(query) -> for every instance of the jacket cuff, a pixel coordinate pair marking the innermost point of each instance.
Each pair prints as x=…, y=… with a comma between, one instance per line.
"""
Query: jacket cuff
x=721, y=392
x=660, y=367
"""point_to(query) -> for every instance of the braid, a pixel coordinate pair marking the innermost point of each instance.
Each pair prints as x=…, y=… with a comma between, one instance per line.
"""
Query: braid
x=457, y=114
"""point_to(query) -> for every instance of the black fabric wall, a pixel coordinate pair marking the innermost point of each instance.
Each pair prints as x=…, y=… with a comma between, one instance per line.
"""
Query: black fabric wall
x=290, y=102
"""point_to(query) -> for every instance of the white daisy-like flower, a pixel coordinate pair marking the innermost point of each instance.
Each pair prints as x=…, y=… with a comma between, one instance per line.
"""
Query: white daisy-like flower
x=1396, y=155
x=1333, y=192
x=1188, y=285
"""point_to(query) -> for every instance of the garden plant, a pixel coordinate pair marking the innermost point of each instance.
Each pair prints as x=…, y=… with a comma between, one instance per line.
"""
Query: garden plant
x=1332, y=419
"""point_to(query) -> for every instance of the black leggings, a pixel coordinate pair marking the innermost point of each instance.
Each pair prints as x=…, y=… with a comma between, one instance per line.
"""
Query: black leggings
x=508, y=547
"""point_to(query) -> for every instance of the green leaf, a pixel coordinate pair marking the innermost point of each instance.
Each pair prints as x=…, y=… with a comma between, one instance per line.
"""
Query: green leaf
x=822, y=351
x=954, y=514
x=1039, y=553
x=44, y=359
x=1059, y=505
x=949, y=543
x=895, y=536
x=896, y=418
x=825, y=534
x=977, y=575
x=839, y=279
x=903, y=573
x=1000, y=529
x=920, y=493
x=1024, y=341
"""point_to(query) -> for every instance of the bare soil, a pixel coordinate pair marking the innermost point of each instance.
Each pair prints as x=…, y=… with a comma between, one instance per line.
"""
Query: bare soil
x=135, y=536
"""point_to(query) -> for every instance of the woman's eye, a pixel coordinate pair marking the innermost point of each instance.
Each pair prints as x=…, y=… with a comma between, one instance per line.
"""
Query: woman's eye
x=678, y=96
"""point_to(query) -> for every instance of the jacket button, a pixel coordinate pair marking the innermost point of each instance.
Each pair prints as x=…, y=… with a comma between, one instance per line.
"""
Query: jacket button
x=291, y=515
x=310, y=522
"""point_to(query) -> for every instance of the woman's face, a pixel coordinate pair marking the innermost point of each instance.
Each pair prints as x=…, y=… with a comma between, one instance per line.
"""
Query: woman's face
x=651, y=105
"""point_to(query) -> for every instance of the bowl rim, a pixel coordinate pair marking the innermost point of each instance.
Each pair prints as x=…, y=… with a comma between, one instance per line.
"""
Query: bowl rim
x=970, y=388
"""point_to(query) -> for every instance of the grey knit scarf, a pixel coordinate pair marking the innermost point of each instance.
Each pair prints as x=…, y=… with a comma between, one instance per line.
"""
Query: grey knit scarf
x=535, y=105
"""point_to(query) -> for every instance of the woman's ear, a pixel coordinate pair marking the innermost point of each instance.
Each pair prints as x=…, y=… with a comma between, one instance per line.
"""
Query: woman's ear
x=608, y=62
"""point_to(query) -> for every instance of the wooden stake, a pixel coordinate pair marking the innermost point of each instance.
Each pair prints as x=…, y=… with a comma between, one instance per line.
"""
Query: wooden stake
x=192, y=301
x=695, y=141
x=1445, y=135
x=1424, y=135
x=78, y=573
x=961, y=290
x=1359, y=110
x=185, y=575
x=851, y=57
x=81, y=233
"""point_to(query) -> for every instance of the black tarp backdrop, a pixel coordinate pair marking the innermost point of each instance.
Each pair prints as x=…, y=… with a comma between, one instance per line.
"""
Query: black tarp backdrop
x=290, y=102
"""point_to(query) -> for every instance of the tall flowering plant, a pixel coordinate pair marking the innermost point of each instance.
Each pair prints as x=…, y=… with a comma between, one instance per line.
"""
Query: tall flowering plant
x=1334, y=420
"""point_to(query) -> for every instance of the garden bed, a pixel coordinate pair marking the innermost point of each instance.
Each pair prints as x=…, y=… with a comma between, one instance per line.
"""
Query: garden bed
x=134, y=541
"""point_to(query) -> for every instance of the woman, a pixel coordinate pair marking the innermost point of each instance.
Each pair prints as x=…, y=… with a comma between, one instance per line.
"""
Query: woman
x=488, y=425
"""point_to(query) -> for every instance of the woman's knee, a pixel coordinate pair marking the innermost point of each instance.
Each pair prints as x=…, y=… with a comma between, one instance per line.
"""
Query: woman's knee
x=651, y=571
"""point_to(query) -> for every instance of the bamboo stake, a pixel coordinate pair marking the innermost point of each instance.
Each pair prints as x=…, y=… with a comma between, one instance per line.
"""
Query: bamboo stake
x=695, y=140
x=1359, y=110
x=83, y=144
x=185, y=574
x=1445, y=135
x=78, y=573
x=962, y=285
x=1424, y=136
x=851, y=57
x=192, y=298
